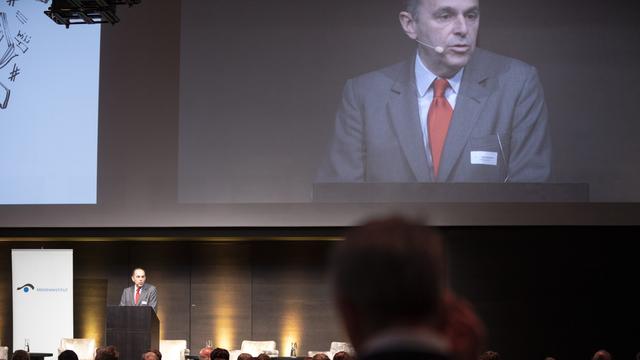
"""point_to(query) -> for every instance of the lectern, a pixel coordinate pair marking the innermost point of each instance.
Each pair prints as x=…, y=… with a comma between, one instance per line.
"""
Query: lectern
x=133, y=330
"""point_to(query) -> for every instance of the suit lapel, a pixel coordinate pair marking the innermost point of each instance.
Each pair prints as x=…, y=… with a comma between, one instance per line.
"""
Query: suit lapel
x=133, y=295
x=474, y=91
x=403, y=112
x=143, y=293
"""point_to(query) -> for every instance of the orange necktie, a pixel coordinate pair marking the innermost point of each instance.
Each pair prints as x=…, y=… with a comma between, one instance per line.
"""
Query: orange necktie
x=137, y=295
x=438, y=121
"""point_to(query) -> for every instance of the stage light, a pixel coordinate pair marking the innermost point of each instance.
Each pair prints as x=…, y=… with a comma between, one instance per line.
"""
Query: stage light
x=73, y=12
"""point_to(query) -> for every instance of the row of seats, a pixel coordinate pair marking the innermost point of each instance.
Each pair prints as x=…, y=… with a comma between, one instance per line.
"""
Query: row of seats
x=336, y=347
x=175, y=349
x=86, y=348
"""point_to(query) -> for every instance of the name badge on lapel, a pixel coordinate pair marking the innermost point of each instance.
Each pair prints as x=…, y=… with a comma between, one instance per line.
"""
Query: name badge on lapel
x=484, y=158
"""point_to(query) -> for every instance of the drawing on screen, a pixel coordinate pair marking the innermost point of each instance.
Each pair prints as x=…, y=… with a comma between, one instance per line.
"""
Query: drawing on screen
x=20, y=16
x=4, y=96
x=10, y=48
x=22, y=40
x=15, y=72
x=7, y=50
x=7, y=47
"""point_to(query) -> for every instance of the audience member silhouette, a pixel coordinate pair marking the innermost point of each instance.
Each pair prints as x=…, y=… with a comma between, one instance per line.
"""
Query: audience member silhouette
x=601, y=355
x=107, y=353
x=342, y=355
x=151, y=355
x=205, y=353
x=388, y=279
x=157, y=352
x=263, y=356
x=20, y=355
x=490, y=355
x=462, y=327
x=220, y=354
x=320, y=356
x=68, y=355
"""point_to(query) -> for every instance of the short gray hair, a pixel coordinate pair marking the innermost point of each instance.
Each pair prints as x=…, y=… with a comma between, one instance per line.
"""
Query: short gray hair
x=411, y=6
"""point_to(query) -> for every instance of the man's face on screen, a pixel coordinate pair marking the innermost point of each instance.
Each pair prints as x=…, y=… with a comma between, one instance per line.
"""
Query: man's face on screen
x=139, y=277
x=450, y=24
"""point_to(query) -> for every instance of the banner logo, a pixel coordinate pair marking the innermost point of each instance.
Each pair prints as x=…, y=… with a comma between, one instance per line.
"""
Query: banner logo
x=26, y=287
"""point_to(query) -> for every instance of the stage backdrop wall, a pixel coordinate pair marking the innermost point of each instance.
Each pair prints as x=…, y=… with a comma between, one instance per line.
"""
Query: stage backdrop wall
x=561, y=292
x=42, y=290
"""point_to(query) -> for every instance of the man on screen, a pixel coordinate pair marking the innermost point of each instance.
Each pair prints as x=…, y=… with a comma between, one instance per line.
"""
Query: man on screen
x=140, y=293
x=450, y=113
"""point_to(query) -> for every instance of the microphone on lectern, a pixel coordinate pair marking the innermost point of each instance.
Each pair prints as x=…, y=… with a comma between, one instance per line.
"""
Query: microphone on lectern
x=438, y=49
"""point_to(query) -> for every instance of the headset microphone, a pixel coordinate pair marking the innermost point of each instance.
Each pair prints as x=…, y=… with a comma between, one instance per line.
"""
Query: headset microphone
x=438, y=49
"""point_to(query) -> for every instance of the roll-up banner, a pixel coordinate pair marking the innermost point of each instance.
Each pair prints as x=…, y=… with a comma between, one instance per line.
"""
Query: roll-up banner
x=42, y=298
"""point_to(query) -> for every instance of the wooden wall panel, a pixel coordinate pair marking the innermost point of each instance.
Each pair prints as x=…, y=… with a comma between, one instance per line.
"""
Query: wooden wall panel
x=89, y=304
x=98, y=271
x=221, y=294
x=541, y=291
x=291, y=296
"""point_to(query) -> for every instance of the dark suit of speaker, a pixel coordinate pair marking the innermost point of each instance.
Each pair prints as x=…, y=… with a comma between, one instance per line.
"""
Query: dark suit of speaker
x=148, y=296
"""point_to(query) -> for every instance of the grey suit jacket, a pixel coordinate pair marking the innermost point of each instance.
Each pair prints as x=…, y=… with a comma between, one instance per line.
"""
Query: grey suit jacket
x=148, y=296
x=500, y=112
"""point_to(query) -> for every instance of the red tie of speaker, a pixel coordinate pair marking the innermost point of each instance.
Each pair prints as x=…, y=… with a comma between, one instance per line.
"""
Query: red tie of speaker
x=438, y=121
x=137, y=295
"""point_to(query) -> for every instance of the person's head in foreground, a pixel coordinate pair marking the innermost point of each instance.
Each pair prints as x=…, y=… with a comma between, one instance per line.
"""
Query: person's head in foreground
x=388, y=279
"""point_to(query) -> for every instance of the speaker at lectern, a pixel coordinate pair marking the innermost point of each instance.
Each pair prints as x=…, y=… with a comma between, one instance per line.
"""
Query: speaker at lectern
x=132, y=330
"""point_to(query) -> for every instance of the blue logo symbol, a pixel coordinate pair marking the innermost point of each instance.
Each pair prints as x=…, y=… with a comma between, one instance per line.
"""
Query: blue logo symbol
x=26, y=287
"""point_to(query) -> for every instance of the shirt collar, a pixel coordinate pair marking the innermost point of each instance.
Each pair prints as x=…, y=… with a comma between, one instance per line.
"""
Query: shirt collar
x=424, y=78
x=422, y=338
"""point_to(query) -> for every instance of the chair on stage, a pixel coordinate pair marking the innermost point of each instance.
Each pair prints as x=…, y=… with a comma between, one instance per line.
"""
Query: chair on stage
x=4, y=353
x=255, y=348
x=336, y=346
x=173, y=349
x=84, y=348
